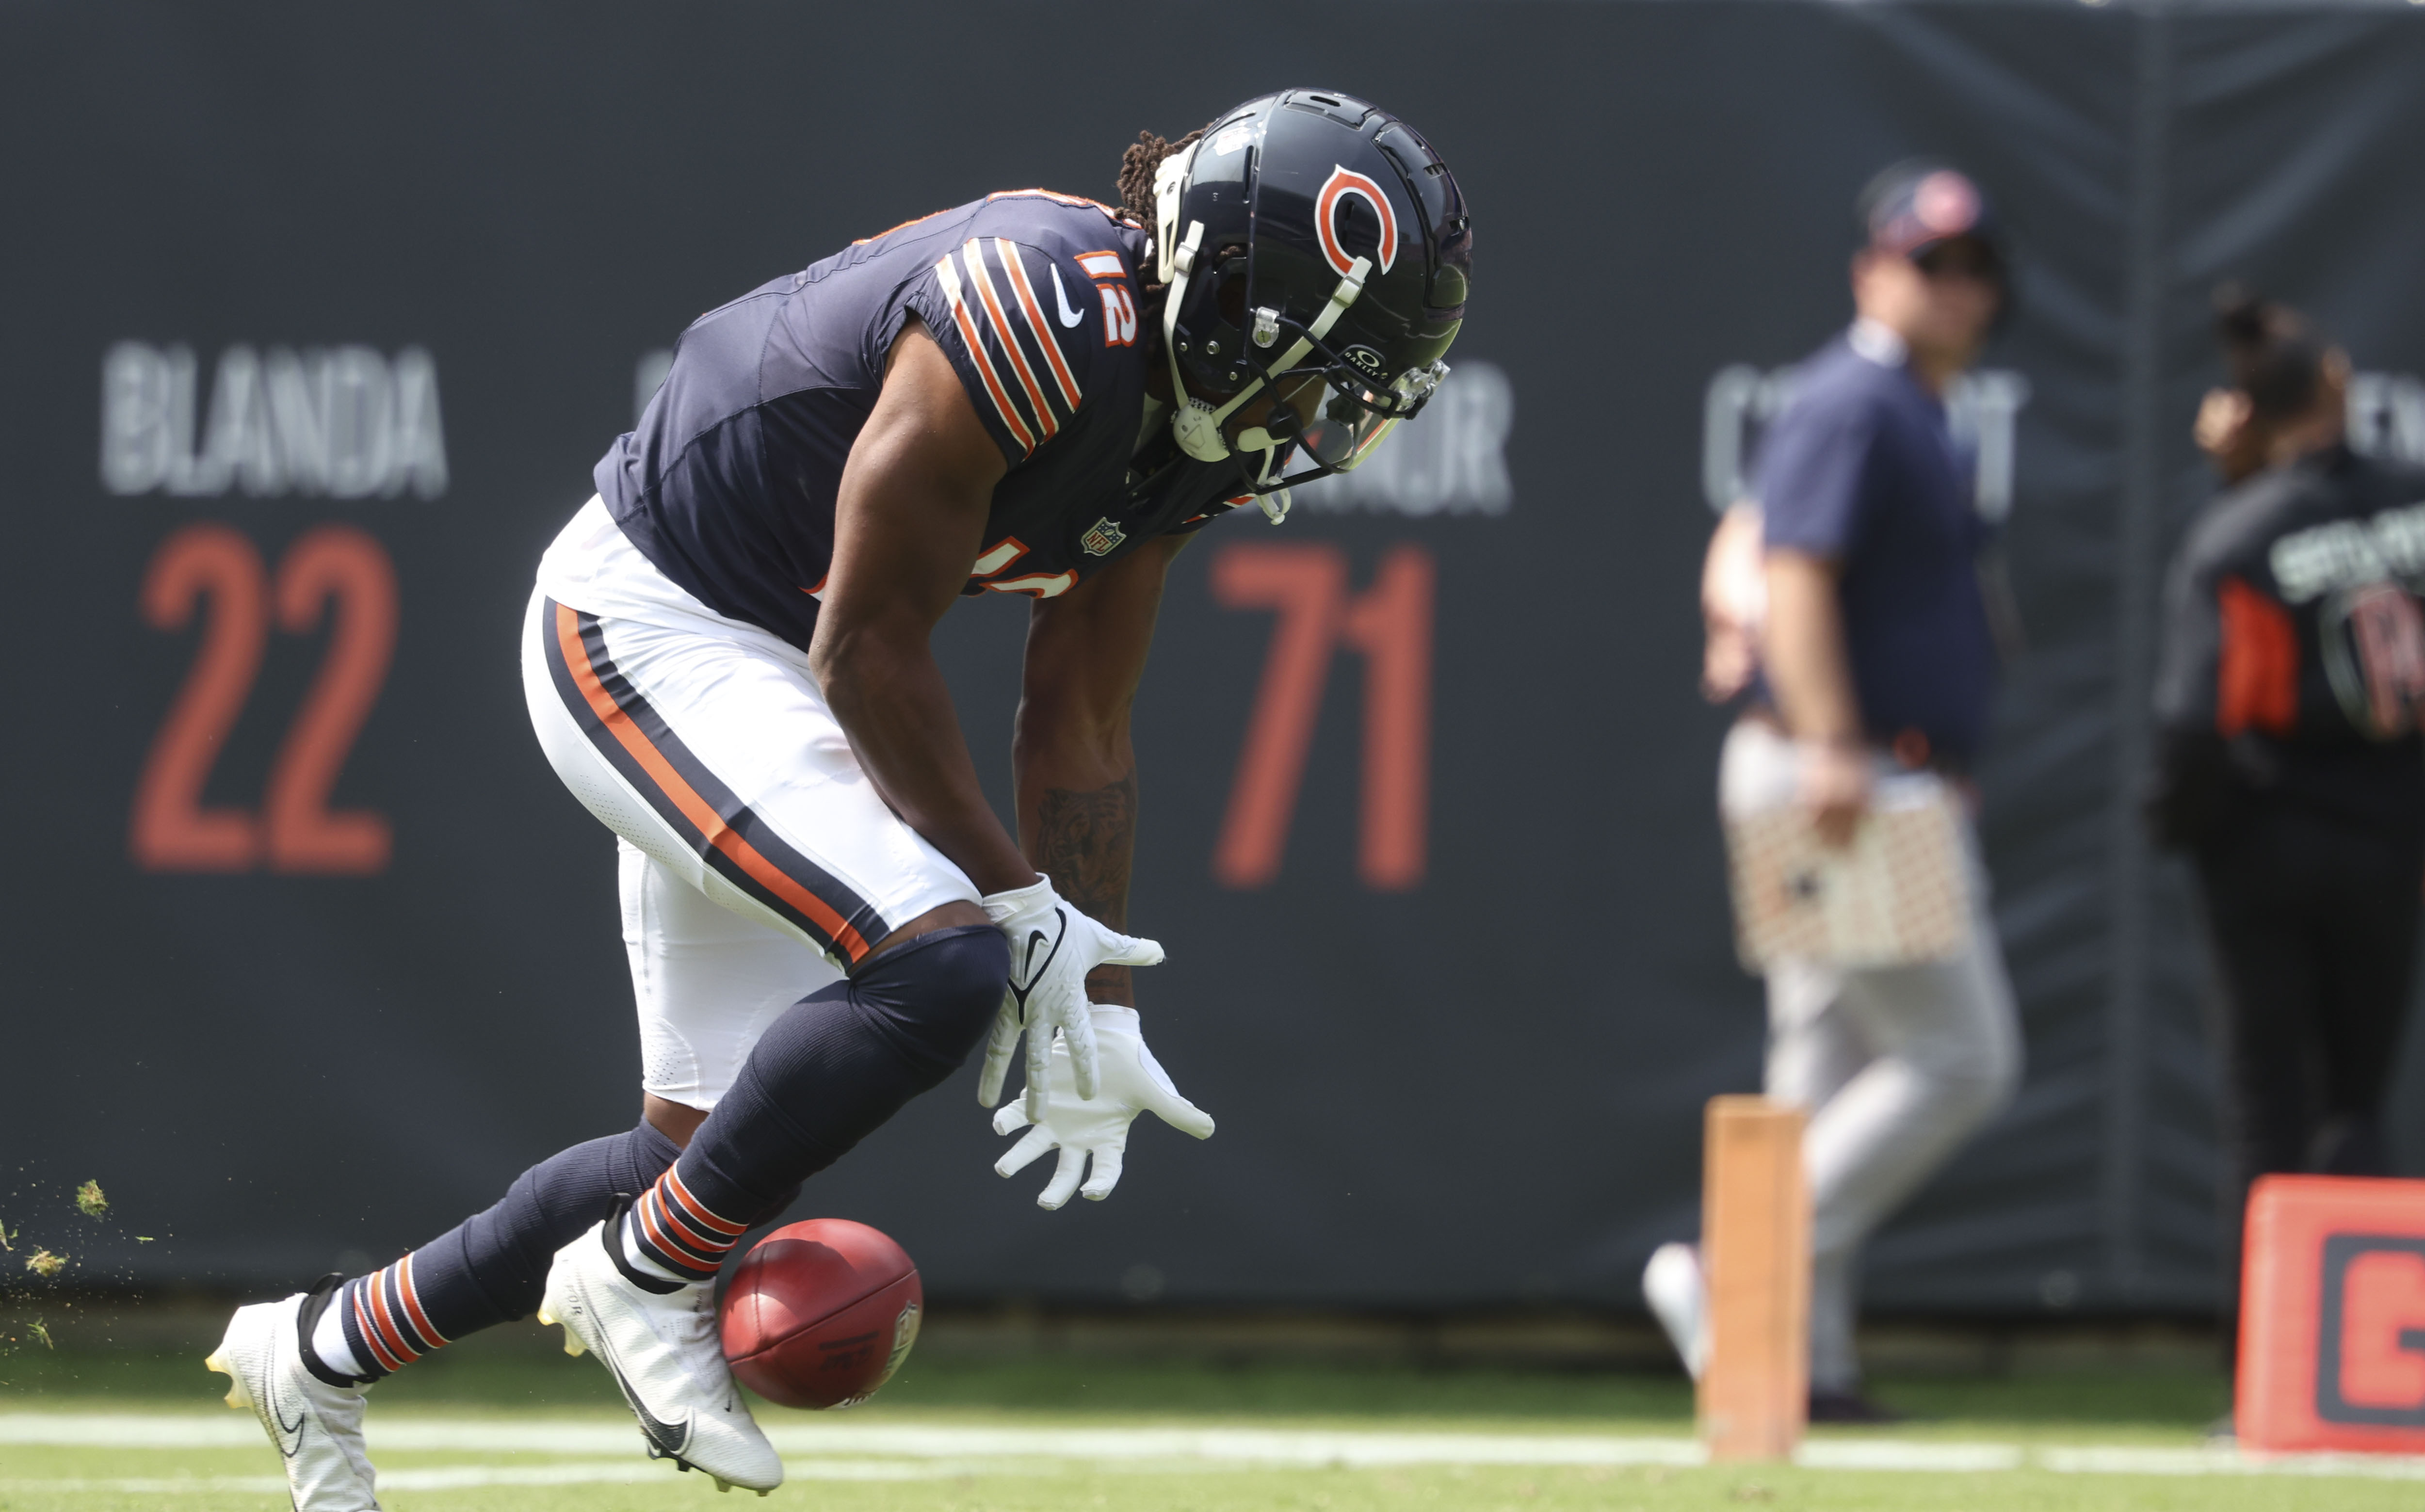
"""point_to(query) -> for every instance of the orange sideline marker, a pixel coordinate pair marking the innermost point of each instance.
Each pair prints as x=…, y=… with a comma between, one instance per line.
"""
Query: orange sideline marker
x=1754, y=1392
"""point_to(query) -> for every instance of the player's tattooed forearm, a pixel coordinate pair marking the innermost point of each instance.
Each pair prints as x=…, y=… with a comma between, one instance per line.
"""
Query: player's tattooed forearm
x=1083, y=842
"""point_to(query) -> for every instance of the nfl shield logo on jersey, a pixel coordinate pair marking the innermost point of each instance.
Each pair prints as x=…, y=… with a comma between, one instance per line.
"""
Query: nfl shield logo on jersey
x=1103, y=538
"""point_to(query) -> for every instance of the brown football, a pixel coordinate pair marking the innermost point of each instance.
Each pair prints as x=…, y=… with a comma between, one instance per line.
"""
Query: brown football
x=821, y=1314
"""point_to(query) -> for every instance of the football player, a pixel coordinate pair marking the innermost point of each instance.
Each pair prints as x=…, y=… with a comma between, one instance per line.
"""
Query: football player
x=727, y=661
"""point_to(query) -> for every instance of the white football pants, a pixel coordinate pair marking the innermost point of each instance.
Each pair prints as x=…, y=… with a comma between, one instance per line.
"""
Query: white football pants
x=1897, y=1065
x=757, y=860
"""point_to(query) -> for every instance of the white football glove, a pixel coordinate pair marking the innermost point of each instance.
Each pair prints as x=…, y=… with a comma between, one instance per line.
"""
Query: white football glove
x=1132, y=1083
x=1052, y=947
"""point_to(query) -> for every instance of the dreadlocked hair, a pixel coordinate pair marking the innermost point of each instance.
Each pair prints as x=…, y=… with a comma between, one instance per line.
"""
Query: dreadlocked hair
x=1137, y=166
x=2274, y=355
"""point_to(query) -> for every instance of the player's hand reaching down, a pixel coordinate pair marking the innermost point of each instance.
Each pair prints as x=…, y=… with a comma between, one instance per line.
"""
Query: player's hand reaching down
x=1052, y=947
x=1131, y=1082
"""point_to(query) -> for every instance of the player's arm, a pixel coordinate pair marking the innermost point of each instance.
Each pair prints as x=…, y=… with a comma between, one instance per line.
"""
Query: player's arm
x=908, y=519
x=1802, y=655
x=1073, y=764
x=1732, y=601
x=1076, y=776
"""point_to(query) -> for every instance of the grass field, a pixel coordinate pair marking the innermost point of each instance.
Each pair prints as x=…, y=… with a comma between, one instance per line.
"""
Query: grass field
x=498, y=1424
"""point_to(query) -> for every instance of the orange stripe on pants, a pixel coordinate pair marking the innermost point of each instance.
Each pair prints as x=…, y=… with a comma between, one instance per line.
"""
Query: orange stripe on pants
x=696, y=809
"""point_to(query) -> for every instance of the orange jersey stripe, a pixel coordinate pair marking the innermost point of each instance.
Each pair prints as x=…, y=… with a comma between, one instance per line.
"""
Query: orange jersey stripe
x=694, y=807
x=973, y=255
x=1017, y=270
x=673, y=1183
x=983, y=365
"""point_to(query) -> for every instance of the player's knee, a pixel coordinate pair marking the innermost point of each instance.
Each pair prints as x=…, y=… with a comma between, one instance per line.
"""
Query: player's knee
x=940, y=991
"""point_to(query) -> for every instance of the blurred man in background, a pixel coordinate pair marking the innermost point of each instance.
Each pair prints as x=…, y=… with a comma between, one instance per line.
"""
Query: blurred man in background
x=1847, y=599
x=2290, y=765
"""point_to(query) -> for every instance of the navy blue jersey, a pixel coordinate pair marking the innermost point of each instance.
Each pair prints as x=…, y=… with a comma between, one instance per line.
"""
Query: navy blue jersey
x=729, y=483
x=1861, y=469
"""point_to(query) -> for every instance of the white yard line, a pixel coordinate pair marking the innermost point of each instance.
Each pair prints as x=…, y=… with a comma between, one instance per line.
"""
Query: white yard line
x=841, y=1450
x=632, y=1471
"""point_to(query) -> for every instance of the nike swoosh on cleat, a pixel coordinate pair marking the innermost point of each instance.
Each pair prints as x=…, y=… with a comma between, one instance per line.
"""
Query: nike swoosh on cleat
x=667, y=1440
x=290, y=1435
x=1061, y=298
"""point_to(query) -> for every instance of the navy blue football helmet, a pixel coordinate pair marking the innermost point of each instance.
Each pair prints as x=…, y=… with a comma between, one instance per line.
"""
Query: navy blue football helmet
x=1307, y=233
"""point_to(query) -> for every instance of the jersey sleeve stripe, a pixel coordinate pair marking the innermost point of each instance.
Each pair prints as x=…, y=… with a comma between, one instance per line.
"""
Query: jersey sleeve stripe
x=974, y=342
x=1016, y=268
x=973, y=255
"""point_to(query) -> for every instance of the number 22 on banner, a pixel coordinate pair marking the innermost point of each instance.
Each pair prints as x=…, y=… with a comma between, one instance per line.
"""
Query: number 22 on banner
x=295, y=833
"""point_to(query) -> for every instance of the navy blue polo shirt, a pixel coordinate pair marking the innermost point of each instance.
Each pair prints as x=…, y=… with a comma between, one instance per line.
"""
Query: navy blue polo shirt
x=1861, y=469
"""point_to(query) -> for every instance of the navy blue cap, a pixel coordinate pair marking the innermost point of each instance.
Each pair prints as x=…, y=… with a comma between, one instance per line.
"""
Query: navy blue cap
x=1913, y=206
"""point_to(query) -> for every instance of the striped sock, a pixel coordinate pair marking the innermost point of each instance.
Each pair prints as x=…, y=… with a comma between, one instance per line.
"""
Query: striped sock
x=670, y=1233
x=386, y=1327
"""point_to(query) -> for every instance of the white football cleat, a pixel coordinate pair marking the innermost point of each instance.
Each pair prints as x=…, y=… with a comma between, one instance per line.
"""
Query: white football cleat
x=315, y=1426
x=665, y=1353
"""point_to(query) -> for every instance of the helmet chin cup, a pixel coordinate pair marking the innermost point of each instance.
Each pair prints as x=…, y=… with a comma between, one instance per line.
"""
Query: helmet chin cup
x=1196, y=428
x=1194, y=423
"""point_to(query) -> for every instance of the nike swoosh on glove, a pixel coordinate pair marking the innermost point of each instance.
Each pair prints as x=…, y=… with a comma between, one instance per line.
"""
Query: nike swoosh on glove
x=1132, y=1083
x=1052, y=947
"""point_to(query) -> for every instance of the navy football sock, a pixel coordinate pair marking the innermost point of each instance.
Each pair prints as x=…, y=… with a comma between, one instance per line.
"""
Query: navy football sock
x=821, y=1078
x=492, y=1267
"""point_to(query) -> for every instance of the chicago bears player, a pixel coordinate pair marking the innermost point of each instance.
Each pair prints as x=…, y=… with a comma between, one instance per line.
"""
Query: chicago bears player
x=727, y=661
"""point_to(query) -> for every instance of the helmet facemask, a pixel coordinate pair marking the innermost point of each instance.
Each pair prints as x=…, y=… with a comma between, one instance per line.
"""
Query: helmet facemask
x=1355, y=411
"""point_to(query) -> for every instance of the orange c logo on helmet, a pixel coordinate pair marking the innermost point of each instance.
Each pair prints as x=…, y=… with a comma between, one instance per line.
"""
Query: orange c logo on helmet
x=1325, y=218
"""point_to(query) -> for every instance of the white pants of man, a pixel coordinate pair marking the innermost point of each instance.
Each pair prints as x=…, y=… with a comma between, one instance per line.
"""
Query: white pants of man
x=1896, y=1065
x=758, y=863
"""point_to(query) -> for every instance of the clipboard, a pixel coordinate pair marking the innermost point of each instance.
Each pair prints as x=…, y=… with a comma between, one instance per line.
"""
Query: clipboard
x=1898, y=893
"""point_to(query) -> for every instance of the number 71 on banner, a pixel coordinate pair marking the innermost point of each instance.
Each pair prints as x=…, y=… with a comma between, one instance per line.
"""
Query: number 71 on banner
x=1389, y=624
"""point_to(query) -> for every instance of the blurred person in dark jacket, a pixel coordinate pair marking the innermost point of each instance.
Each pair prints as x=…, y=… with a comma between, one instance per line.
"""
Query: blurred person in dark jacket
x=2290, y=763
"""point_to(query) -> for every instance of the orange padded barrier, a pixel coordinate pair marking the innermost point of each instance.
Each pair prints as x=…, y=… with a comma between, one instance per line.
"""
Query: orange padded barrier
x=2332, y=1316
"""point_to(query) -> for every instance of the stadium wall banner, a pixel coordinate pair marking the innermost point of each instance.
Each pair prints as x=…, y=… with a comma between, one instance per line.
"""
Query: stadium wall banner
x=320, y=317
